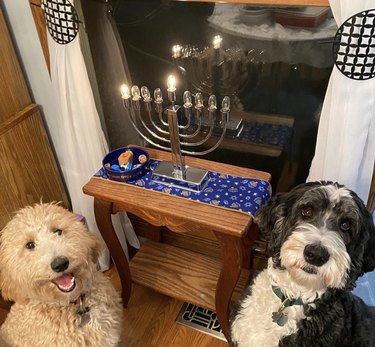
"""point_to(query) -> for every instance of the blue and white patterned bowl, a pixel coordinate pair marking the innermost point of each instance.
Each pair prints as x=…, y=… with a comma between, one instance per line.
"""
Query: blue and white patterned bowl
x=139, y=169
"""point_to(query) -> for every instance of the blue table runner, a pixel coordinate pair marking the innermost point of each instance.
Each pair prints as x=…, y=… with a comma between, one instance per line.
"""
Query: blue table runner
x=228, y=191
x=268, y=134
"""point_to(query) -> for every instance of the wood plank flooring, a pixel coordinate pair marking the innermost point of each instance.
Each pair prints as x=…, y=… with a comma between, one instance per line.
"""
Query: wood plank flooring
x=149, y=321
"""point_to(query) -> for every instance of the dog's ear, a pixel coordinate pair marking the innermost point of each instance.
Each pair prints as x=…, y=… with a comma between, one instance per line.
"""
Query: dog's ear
x=11, y=291
x=369, y=254
x=10, y=286
x=267, y=216
x=368, y=263
x=365, y=253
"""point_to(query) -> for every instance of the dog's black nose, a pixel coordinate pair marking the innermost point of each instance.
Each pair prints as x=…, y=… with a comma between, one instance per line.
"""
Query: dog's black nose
x=316, y=254
x=59, y=264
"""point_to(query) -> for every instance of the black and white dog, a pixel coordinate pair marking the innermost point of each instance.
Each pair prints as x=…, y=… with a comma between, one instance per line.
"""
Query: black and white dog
x=321, y=238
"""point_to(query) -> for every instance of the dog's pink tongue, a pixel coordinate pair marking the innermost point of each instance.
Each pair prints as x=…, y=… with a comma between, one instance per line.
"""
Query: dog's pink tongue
x=64, y=281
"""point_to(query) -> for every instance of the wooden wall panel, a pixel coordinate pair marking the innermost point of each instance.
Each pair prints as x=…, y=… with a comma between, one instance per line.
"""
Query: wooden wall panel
x=28, y=169
x=14, y=95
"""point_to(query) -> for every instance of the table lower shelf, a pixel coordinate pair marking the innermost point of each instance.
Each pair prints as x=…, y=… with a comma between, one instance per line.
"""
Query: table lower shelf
x=180, y=274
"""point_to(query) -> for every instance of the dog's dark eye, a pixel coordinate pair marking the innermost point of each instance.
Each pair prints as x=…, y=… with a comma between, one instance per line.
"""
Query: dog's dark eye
x=307, y=212
x=345, y=225
x=30, y=245
x=58, y=232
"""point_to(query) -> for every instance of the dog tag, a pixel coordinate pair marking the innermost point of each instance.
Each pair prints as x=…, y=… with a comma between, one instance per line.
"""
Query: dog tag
x=279, y=318
x=85, y=318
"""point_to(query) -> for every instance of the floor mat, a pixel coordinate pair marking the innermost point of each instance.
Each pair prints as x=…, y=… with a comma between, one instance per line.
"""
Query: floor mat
x=200, y=319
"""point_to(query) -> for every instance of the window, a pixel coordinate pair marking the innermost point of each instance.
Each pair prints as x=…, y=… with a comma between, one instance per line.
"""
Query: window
x=273, y=62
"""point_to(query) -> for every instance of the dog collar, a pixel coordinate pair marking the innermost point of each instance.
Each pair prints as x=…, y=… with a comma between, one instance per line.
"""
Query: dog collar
x=286, y=302
x=279, y=317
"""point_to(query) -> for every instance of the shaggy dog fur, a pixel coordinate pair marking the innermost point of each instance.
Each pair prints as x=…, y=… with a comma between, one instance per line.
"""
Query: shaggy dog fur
x=47, y=267
x=321, y=239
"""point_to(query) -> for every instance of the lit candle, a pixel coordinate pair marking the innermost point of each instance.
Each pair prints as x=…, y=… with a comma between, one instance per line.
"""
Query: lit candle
x=217, y=41
x=171, y=83
x=176, y=51
x=125, y=92
x=216, y=68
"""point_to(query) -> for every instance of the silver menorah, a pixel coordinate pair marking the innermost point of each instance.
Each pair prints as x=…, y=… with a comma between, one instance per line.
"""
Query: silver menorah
x=176, y=128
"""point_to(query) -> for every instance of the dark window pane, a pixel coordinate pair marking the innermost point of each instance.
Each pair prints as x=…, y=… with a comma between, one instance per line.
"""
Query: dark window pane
x=273, y=62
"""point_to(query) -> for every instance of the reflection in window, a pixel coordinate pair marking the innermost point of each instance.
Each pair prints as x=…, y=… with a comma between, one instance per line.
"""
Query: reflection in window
x=273, y=62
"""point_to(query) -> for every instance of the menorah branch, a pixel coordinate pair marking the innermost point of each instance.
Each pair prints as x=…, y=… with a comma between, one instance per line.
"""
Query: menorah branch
x=184, y=130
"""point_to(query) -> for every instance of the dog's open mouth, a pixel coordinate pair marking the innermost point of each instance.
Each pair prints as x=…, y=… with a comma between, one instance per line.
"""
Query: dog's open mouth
x=66, y=283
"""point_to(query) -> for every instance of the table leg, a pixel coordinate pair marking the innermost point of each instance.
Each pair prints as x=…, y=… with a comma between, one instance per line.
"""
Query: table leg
x=103, y=212
x=231, y=255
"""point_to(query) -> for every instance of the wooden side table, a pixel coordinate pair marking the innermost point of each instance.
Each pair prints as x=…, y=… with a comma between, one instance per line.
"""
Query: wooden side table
x=179, y=273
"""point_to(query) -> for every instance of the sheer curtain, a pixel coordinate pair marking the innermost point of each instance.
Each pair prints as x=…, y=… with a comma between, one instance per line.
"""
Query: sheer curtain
x=345, y=148
x=111, y=71
x=79, y=126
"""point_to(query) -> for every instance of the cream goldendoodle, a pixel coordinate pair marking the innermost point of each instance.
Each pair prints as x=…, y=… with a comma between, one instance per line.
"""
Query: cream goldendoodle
x=47, y=267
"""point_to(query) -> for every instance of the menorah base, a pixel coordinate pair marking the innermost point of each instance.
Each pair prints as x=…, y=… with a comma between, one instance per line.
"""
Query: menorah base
x=234, y=127
x=194, y=179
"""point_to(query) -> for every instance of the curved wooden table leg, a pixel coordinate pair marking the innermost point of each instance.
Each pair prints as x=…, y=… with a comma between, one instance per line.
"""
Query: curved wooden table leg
x=231, y=254
x=103, y=212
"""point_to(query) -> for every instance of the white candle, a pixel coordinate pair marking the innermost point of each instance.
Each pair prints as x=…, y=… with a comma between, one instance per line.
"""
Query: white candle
x=171, y=83
x=217, y=41
x=176, y=51
x=125, y=92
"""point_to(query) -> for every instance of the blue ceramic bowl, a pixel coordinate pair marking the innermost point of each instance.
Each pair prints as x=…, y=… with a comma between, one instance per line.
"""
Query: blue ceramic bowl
x=110, y=161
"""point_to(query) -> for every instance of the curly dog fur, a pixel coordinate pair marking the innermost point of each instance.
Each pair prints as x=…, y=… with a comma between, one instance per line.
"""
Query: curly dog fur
x=321, y=239
x=48, y=268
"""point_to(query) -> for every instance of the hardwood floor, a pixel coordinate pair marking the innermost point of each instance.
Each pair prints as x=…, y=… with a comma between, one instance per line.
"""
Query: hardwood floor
x=149, y=321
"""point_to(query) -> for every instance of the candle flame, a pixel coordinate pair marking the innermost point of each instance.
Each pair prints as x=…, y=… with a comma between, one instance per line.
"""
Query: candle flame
x=125, y=91
x=171, y=83
x=217, y=41
x=176, y=51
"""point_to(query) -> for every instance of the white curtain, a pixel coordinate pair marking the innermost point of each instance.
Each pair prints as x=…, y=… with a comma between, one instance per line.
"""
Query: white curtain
x=345, y=148
x=80, y=127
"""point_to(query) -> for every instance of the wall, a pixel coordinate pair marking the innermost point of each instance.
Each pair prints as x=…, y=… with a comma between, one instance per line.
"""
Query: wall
x=26, y=41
